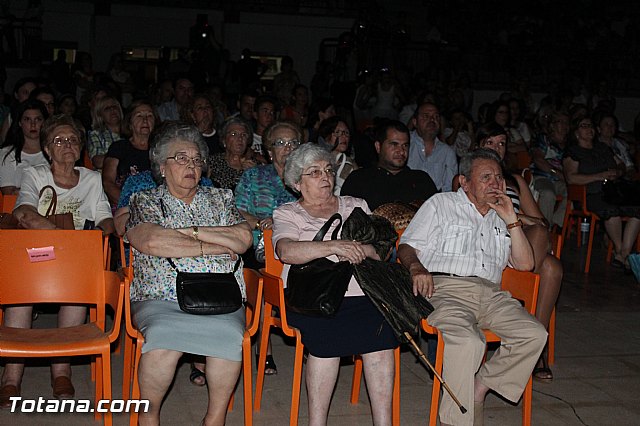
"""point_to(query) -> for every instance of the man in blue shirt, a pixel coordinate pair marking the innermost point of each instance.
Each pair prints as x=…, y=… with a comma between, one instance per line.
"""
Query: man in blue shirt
x=427, y=152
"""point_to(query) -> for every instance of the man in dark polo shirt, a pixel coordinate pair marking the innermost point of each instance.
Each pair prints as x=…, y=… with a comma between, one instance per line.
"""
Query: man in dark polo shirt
x=391, y=180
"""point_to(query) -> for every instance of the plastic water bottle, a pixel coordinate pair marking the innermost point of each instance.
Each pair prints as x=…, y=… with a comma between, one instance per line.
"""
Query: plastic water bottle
x=584, y=230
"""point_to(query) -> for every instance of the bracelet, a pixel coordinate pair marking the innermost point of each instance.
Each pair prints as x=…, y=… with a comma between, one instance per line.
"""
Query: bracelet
x=515, y=224
x=201, y=251
x=195, y=233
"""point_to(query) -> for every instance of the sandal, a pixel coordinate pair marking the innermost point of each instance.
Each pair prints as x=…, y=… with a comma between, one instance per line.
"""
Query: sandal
x=196, y=376
x=543, y=374
x=270, y=368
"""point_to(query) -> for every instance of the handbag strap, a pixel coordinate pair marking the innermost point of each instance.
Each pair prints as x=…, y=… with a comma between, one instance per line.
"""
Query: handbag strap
x=54, y=200
x=173, y=265
x=323, y=231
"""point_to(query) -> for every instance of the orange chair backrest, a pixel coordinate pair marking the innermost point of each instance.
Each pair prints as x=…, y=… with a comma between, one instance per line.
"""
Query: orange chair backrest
x=523, y=160
x=556, y=243
x=272, y=265
x=523, y=286
x=7, y=203
x=253, y=285
x=578, y=193
x=127, y=262
x=65, y=279
x=86, y=161
x=455, y=183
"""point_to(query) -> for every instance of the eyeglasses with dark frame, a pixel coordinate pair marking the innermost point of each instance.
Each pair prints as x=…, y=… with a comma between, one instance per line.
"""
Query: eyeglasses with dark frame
x=183, y=160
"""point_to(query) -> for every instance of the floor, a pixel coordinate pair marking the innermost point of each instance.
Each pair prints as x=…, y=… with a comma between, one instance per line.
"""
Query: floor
x=597, y=371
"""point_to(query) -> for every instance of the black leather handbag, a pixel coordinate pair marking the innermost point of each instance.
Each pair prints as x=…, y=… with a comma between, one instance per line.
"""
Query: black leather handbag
x=316, y=288
x=208, y=293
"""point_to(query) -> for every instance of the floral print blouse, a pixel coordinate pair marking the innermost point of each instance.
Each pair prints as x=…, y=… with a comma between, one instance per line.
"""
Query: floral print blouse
x=154, y=278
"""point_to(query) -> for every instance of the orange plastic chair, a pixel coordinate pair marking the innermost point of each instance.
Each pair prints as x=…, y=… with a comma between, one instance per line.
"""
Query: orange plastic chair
x=523, y=160
x=556, y=243
x=577, y=194
x=522, y=286
x=273, y=293
x=86, y=161
x=75, y=276
x=7, y=202
x=253, y=282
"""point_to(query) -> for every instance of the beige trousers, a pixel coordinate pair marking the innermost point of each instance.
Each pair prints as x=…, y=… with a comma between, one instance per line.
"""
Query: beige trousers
x=465, y=306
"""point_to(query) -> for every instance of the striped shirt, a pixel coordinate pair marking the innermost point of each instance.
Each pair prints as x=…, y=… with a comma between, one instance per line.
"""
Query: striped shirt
x=451, y=236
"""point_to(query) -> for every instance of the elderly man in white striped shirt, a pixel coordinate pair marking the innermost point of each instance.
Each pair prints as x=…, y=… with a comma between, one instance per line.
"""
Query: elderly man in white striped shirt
x=455, y=248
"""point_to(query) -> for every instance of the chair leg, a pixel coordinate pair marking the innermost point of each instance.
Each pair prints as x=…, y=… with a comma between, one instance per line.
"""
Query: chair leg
x=127, y=370
x=105, y=372
x=357, y=378
x=435, y=389
x=265, y=329
x=135, y=387
x=526, y=403
x=551, y=345
x=592, y=231
x=395, y=403
x=297, y=381
x=246, y=377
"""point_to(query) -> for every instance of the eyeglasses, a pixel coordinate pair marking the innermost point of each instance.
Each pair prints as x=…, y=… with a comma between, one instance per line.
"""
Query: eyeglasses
x=586, y=126
x=281, y=143
x=60, y=141
x=317, y=173
x=241, y=135
x=184, y=159
x=338, y=133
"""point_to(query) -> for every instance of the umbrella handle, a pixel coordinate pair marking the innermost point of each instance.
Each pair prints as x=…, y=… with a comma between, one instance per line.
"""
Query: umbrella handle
x=423, y=357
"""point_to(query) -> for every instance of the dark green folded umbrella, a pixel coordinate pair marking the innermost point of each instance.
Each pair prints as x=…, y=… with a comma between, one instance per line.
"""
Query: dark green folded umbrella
x=387, y=284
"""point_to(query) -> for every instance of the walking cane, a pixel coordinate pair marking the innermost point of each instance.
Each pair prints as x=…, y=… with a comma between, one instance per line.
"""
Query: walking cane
x=422, y=356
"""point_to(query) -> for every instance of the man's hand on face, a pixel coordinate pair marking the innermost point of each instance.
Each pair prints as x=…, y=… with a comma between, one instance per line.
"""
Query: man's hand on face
x=503, y=205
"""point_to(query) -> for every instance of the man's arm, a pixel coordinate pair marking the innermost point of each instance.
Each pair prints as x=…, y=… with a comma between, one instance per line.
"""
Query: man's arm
x=421, y=278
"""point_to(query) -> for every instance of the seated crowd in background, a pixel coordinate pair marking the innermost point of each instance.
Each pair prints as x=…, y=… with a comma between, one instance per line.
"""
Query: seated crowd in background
x=198, y=176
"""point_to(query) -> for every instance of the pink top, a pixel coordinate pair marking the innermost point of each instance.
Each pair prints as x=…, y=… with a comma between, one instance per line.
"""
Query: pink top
x=292, y=221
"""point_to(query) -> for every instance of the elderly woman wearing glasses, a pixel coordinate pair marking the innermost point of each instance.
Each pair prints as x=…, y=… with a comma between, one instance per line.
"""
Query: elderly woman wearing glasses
x=201, y=229
x=358, y=327
x=261, y=189
x=79, y=191
x=225, y=168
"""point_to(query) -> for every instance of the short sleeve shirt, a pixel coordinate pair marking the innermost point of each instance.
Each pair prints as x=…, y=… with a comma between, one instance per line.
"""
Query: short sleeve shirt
x=86, y=200
x=11, y=172
x=292, y=221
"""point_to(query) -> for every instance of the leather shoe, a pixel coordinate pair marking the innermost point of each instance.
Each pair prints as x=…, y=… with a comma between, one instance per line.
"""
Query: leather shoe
x=63, y=388
x=6, y=392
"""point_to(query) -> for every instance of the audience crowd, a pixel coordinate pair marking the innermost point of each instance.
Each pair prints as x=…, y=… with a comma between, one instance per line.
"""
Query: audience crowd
x=398, y=141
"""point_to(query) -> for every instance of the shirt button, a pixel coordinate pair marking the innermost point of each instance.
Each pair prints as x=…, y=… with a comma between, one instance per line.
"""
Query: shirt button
x=482, y=235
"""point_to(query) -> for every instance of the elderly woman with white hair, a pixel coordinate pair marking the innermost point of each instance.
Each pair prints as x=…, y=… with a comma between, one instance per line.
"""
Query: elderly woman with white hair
x=202, y=231
x=357, y=327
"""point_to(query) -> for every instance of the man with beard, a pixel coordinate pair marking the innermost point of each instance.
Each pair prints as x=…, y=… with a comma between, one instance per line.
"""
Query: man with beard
x=391, y=180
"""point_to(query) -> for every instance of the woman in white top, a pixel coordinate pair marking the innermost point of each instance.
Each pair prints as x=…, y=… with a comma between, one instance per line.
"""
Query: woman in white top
x=22, y=146
x=79, y=192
